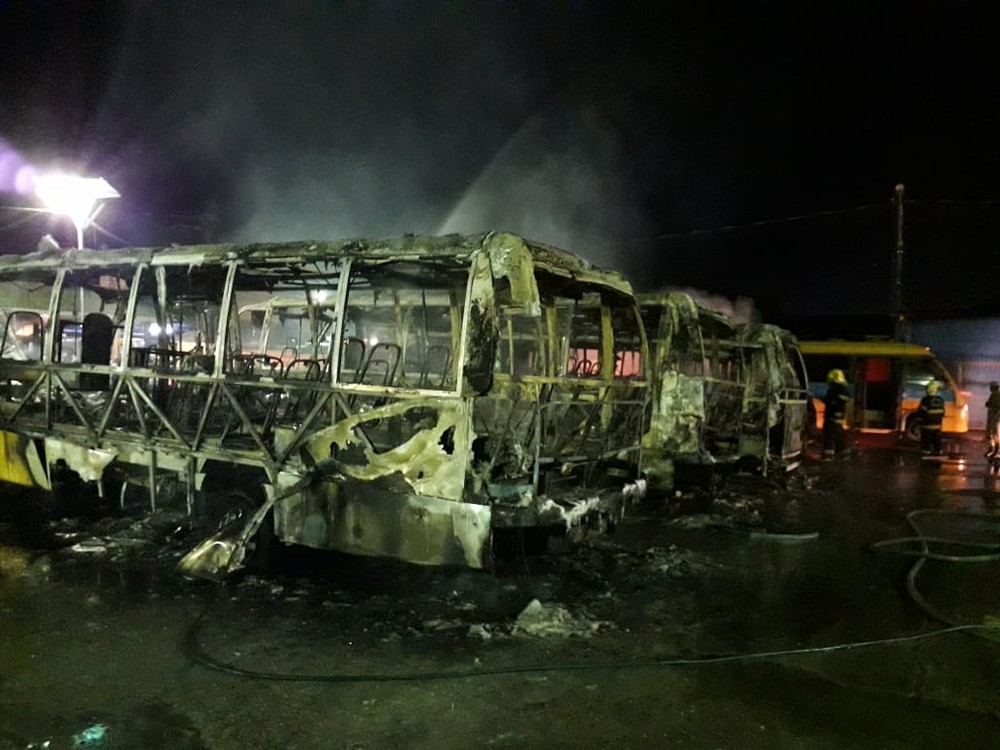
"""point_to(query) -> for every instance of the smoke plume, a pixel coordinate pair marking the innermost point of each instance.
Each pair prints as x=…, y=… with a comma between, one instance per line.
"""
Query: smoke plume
x=739, y=309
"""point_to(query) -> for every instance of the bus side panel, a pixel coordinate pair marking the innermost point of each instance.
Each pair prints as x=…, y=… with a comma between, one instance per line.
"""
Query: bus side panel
x=361, y=518
x=678, y=417
x=956, y=415
x=956, y=418
x=20, y=462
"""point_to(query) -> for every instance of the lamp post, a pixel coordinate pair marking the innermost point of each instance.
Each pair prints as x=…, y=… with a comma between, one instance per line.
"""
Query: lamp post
x=899, y=318
x=79, y=198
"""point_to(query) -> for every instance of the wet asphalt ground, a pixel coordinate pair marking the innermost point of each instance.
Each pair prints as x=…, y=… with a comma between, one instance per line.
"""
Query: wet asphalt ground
x=723, y=620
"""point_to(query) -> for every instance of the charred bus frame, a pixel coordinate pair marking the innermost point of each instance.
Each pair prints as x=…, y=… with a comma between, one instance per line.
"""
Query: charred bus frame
x=460, y=386
x=723, y=393
x=777, y=411
x=698, y=387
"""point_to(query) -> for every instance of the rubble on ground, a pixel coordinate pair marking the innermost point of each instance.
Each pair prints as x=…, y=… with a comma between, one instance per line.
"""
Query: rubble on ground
x=539, y=620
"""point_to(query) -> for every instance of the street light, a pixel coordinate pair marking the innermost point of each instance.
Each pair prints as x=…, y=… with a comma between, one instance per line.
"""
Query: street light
x=79, y=198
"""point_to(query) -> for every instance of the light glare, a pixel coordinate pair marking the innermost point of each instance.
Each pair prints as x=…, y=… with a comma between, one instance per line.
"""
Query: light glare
x=73, y=196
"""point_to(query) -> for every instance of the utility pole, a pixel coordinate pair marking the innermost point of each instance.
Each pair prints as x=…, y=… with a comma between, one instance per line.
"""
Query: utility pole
x=899, y=319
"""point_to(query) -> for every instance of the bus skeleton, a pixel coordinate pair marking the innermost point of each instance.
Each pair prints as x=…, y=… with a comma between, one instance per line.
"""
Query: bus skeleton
x=722, y=393
x=452, y=389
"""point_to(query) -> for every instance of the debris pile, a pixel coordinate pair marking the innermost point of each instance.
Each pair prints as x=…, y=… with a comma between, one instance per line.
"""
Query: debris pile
x=725, y=512
x=674, y=562
x=539, y=620
x=119, y=538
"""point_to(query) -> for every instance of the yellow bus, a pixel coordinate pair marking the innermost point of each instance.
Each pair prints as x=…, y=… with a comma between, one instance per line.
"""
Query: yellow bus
x=887, y=379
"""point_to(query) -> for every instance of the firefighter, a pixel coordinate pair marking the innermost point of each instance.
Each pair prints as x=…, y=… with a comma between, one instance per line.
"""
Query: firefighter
x=931, y=414
x=993, y=423
x=835, y=416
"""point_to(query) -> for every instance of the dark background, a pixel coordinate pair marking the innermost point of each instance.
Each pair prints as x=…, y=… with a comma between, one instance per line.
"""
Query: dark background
x=748, y=149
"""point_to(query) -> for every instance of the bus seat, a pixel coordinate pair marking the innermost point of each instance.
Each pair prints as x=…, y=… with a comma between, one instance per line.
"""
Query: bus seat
x=303, y=369
x=138, y=356
x=240, y=364
x=96, y=338
x=266, y=365
x=436, y=367
x=300, y=402
x=187, y=401
x=352, y=357
x=381, y=365
x=166, y=360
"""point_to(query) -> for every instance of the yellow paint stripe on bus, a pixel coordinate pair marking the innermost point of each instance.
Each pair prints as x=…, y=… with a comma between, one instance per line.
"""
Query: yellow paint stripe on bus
x=15, y=460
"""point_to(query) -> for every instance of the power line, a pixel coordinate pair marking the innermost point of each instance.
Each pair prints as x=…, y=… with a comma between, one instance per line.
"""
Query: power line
x=950, y=202
x=944, y=202
x=768, y=222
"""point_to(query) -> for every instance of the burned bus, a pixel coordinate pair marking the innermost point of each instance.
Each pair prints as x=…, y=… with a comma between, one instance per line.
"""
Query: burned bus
x=414, y=397
x=698, y=388
x=777, y=408
x=722, y=394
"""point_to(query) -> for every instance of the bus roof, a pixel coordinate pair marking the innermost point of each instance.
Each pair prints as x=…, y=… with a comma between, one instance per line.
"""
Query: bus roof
x=865, y=348
x=686, y=304
x=454, y=248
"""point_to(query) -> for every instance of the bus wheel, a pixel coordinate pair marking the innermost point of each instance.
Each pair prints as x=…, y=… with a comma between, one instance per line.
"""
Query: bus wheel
x=231, y=507
x=912, y=430
x=69, y=495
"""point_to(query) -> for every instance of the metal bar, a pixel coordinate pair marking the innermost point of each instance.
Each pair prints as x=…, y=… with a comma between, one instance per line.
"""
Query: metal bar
x=203, y=421
x=162, y=417
x=245, y=419
x=190, y=482
x=225, y=312
x=337, y=342
x=43, y=377
x=463, y=339
x=133, y=299
x=76, y=410
x=103, y=426
x=132, y=388
x=163, y=340
x=152, y=480
x=302, y=432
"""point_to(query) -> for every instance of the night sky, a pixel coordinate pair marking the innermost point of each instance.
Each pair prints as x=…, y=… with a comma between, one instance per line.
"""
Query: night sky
x=654, y=138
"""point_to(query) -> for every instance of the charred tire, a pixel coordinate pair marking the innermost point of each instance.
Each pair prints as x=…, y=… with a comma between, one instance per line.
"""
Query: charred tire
x=911, y=430
x=69, y=495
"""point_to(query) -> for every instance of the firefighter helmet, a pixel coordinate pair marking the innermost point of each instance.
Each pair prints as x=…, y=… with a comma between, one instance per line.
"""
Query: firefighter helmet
x=835, y=376
x=932, y=388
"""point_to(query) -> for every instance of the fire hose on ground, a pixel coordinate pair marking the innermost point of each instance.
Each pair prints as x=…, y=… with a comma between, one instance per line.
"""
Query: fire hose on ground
x=920, y=547
x=195, y=651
